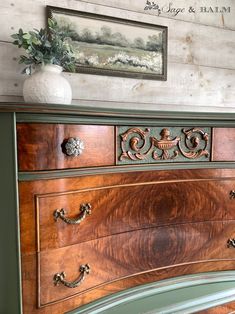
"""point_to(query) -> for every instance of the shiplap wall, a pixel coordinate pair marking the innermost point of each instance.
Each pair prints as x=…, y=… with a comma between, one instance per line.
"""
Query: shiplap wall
x=201, y=53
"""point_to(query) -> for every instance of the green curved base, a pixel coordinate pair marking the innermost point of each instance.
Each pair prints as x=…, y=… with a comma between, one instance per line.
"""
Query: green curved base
x=180, y=295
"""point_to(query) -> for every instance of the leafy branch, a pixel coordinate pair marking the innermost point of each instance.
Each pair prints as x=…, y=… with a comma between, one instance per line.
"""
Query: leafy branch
x=45, y=47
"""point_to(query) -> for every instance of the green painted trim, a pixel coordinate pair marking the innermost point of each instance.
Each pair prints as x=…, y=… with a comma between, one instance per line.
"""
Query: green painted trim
x=117, y=120
x=180, y=295
x=94, y=108
x=203, y=302
x=67, y=173
x=10, y=271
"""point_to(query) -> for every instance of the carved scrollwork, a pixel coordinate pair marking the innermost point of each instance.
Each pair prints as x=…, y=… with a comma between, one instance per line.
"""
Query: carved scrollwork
x=193, y=138
x=138, y=144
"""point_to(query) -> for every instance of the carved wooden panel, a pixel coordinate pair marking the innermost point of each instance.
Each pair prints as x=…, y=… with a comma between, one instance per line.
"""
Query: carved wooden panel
x=162, y=144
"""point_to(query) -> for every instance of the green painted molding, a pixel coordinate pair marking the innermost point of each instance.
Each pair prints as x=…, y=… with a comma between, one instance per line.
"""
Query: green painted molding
x=111, y=110
x=75, y=113
x=10, y=272
x=188, y=294
x=66, y=173
x=155, y=120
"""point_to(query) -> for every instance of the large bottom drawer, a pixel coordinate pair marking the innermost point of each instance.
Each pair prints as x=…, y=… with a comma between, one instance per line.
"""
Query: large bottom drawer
x=128, y=254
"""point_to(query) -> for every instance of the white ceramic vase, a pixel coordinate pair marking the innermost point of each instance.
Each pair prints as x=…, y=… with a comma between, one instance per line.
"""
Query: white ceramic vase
x=47, y=85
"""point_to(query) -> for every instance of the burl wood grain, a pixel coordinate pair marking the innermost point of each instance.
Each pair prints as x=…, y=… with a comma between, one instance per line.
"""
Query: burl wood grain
x=129, y=207
x=30, y=305
x=223, y=147
x=125, y=254
x=122, y=202
x=40, y=146
x=212, y=245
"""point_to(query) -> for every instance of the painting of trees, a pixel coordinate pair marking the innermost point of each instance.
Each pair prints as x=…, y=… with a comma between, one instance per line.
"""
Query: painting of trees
x=110, y=44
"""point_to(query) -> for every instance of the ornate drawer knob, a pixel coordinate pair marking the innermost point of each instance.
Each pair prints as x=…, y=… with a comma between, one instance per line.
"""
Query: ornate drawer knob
x=85, y=210
x=232, y=194
x=231, y=242
x=60, y=277
x=74, y=146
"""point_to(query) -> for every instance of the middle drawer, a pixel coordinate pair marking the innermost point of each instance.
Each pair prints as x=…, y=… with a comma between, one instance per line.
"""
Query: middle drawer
x=77, y=216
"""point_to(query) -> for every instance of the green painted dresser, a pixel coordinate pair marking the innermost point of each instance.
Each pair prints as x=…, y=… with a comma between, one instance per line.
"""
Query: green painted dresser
x=116, y=211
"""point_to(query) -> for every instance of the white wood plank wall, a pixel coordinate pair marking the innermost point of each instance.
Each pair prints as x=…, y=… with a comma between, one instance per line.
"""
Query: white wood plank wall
x=201, y=53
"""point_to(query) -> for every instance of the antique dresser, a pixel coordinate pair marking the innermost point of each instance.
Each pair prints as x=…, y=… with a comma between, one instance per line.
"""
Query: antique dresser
x=121, y=207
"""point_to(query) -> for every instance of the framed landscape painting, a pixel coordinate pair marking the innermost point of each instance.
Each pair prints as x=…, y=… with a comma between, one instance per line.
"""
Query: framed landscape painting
x=106, y=45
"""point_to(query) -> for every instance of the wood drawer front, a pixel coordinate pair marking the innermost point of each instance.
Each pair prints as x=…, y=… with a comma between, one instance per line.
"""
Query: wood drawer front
x=223, y=148
x=129, y=207
x=128, y=254
x=41, y=146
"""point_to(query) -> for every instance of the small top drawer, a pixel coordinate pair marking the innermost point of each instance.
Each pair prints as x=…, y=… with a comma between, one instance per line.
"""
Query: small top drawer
x=61, y=146
x=223, y=148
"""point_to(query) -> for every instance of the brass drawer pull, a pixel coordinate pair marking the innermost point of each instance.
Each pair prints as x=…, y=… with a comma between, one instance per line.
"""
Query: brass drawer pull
x=60, y=278
x=231, y=242
x=74, y=146
x=232, y=194
x=84, y=208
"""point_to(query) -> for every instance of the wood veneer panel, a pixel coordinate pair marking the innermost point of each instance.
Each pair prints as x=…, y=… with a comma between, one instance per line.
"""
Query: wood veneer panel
x=29, y=283
x=206, y=191
x=28, y=214
x=223, y=147
x=40, y=146
x=122, y=208
x=125, y=254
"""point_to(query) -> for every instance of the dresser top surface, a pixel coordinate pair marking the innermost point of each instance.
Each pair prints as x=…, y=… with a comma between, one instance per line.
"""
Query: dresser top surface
x=127, y=110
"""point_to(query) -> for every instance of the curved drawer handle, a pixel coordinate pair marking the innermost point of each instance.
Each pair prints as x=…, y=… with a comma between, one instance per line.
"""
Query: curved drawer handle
x=84, y=208
x=232, y=194
x=74, y=146
x=60, y=278
x=231, y=242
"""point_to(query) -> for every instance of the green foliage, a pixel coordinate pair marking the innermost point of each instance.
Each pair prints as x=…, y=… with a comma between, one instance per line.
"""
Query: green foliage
x=46, y=47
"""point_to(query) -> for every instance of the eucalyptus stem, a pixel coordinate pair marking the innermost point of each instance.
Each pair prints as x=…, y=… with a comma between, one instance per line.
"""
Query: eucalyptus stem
x=45, y=47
